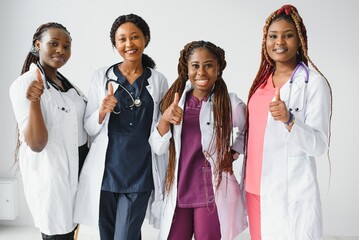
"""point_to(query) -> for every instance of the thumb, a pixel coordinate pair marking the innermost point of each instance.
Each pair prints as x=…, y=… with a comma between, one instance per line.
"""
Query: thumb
x=39, y=77
x=277, y=94
x=110, y=89
x=176, y=99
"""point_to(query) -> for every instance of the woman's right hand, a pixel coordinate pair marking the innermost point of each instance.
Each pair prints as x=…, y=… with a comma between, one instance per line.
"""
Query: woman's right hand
x=36, y=135
x=108, y=103
x=36, y=88
x=172, y=115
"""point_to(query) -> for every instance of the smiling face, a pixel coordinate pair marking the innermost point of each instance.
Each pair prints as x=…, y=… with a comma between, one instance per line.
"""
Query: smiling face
x=282, y=42
x=54, y=48
x=130, y=42
x=202, y=71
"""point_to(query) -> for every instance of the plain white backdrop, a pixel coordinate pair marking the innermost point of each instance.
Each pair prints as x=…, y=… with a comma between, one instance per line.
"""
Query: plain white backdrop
x=234, y=25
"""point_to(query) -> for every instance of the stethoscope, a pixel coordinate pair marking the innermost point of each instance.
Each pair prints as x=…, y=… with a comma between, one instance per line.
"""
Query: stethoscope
x=64, y=106
x=300, y=64
x=136, y=102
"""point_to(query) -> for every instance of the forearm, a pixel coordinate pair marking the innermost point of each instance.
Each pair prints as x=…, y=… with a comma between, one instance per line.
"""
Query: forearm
x=163, y=126
x=36, y=135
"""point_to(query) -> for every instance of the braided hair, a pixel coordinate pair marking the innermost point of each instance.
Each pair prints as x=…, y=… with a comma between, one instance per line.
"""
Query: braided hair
x=222, y=109
x=33, y=55
x=142, y=25
x=290, y=14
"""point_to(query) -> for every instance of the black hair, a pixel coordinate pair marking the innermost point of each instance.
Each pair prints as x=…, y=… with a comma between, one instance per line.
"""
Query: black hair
x=33, y=56
x=142, y=25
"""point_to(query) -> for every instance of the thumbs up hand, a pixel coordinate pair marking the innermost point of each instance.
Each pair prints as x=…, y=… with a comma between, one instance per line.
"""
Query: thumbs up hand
x=278, y=109
x=36, y=88
x=173, y=114
x=108, y=103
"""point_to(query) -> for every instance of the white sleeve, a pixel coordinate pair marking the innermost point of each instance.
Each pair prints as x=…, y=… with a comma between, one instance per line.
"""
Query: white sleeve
x=95, y=96
x=311, y=134
x=239, y=120
x=159, y=144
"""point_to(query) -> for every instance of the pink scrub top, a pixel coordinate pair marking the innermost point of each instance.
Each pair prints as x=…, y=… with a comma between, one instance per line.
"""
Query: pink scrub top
x=258, y=108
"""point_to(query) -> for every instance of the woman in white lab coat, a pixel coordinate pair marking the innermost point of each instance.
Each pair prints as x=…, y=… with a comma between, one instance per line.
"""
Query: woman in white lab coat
x=203, y=198
x=289, y=112
x=49, y=111
x=121, y=176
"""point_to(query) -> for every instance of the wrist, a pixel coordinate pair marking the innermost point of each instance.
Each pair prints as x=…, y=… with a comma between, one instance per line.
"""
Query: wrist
x=291, y=120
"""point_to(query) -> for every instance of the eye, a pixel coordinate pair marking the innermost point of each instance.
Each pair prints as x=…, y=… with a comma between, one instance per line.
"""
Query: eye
x=135, y=37
x=54, y=44
x=121, y=39
x=289, y=35
x=67, y=47
x=208, y=65
x=194, y=65
x=272, y=36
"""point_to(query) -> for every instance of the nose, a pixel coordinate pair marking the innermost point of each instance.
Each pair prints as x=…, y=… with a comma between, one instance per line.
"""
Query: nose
x=280, y=41
x=129, y=42
x=201, y=71
x=60, y=50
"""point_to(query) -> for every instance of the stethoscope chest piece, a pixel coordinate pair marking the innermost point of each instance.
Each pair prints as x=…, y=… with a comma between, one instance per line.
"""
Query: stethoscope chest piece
x=137, y=102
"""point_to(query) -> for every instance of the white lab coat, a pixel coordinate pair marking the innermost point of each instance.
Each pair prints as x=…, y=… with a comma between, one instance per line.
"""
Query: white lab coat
x=229, y=197
x=290, y=200
x=88, y=194
x=50, y=176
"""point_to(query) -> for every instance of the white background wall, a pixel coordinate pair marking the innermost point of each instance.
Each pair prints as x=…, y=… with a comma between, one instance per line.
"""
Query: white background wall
x=236, y=26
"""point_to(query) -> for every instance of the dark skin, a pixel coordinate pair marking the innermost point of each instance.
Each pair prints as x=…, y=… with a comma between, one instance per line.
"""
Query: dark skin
x=54, y=48
x=282, y=44
x=130, y=44
x=202, y=70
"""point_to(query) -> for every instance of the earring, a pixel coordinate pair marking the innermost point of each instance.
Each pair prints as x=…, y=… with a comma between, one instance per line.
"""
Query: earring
x=34, y=51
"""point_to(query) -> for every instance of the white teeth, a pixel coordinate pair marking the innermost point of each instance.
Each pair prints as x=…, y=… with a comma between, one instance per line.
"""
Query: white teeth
x=201, y=81
x=280, y=50
x=130, y=51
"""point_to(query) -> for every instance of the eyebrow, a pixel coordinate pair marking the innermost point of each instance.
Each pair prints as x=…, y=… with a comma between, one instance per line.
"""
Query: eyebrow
x=58, y=39
x=122, y=34
x=289, y=30
x=207, y=61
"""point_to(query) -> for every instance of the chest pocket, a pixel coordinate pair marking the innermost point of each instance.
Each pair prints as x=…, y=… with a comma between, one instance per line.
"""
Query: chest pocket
x=297, y=100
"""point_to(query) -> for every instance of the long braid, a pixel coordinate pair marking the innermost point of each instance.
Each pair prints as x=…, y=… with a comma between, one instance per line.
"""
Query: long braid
x=222, y=109
x=177, y=87
x=290, y=14
x=33, y=57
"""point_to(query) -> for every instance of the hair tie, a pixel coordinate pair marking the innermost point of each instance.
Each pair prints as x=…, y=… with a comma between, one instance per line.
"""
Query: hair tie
x=286, y=9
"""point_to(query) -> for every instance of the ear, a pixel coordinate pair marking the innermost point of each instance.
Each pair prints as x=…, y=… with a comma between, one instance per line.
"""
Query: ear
x=146, y=40
x=37, y=45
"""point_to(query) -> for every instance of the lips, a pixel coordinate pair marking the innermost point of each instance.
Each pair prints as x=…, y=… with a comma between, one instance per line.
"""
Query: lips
x=59, y=59
x=131, y=51
x=201, y=82
x=280, y=50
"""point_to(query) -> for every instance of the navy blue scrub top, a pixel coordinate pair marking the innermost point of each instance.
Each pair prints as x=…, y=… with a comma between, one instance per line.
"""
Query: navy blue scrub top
x=128, y=165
